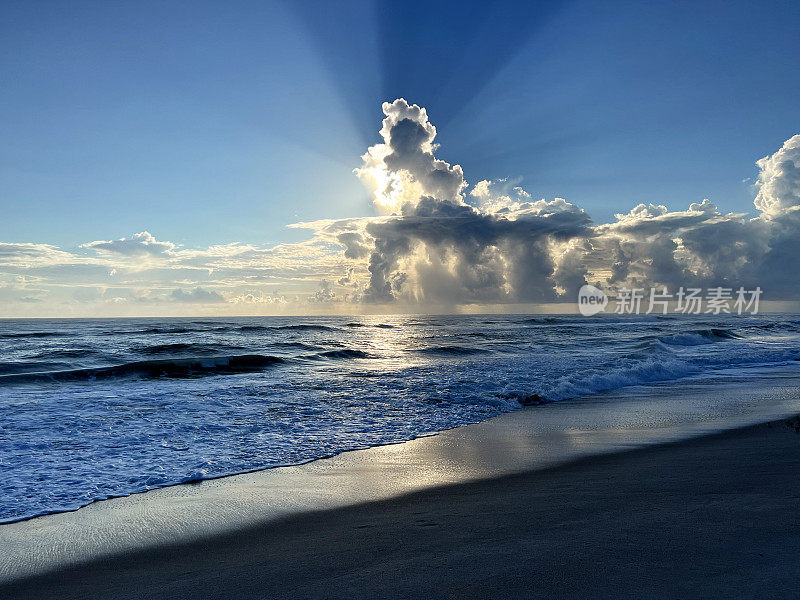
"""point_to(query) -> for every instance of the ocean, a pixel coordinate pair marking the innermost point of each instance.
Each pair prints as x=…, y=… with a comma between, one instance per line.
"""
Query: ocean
x=93, y=409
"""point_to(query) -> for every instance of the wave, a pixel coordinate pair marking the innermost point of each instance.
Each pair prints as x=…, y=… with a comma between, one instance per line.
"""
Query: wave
x=657, y=362
x=366, y=374
x=171, y=330
x=298, y=345
x=298, y=327
x=62, y=353
x=182, y=368
x=304, y=327
x=541, y=320
x=33, y=334
x=15, y=367
x=451, y=351
x=725, y=334
x=629, y=371
x=223, y=328
x=346, y=353
x=699, y=337
x=180, y=347
x=787, y=326
x=524, y=399
x=248, y=328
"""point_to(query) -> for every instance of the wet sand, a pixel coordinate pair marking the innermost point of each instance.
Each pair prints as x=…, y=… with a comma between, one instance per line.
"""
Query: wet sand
x=715, y=516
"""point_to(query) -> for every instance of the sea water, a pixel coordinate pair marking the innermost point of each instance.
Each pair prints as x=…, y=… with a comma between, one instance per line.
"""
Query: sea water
x=91, y=409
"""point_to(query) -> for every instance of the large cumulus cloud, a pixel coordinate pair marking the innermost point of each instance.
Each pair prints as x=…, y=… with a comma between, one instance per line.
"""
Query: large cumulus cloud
x=438, y=248
x=442, y=242
x=779, y=180
x=402, y=170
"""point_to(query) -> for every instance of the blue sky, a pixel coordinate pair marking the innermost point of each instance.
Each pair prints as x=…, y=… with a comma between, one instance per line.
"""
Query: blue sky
x=214, y=123
x=222, y=122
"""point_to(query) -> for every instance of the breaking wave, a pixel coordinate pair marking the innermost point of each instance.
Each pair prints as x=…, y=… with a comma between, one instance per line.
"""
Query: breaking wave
x=698, y=337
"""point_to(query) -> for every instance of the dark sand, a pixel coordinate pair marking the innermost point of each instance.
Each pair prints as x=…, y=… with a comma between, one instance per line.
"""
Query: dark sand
x=714, y=517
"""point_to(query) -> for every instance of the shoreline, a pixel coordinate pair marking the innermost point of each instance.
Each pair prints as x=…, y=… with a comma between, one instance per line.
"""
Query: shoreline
x=708, y=516
x=523, y=441
x=768, y=374
x=201, y=480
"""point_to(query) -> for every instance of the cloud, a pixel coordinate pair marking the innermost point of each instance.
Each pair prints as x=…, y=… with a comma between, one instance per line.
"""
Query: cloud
x=449, y=253
x=197, y=295
x=402, y=170
x=436, y=240
x=439, y=248
x=498, y=196
x=496, y=244
x=258, y=298
x=438, y=244
x=29, y=255
x=779, y=180
x=355, y=243
x=138, y=245
x=325, y=293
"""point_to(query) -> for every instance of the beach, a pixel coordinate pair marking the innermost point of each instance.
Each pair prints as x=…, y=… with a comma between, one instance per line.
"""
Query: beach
x=714, y=517
x=690, y=507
